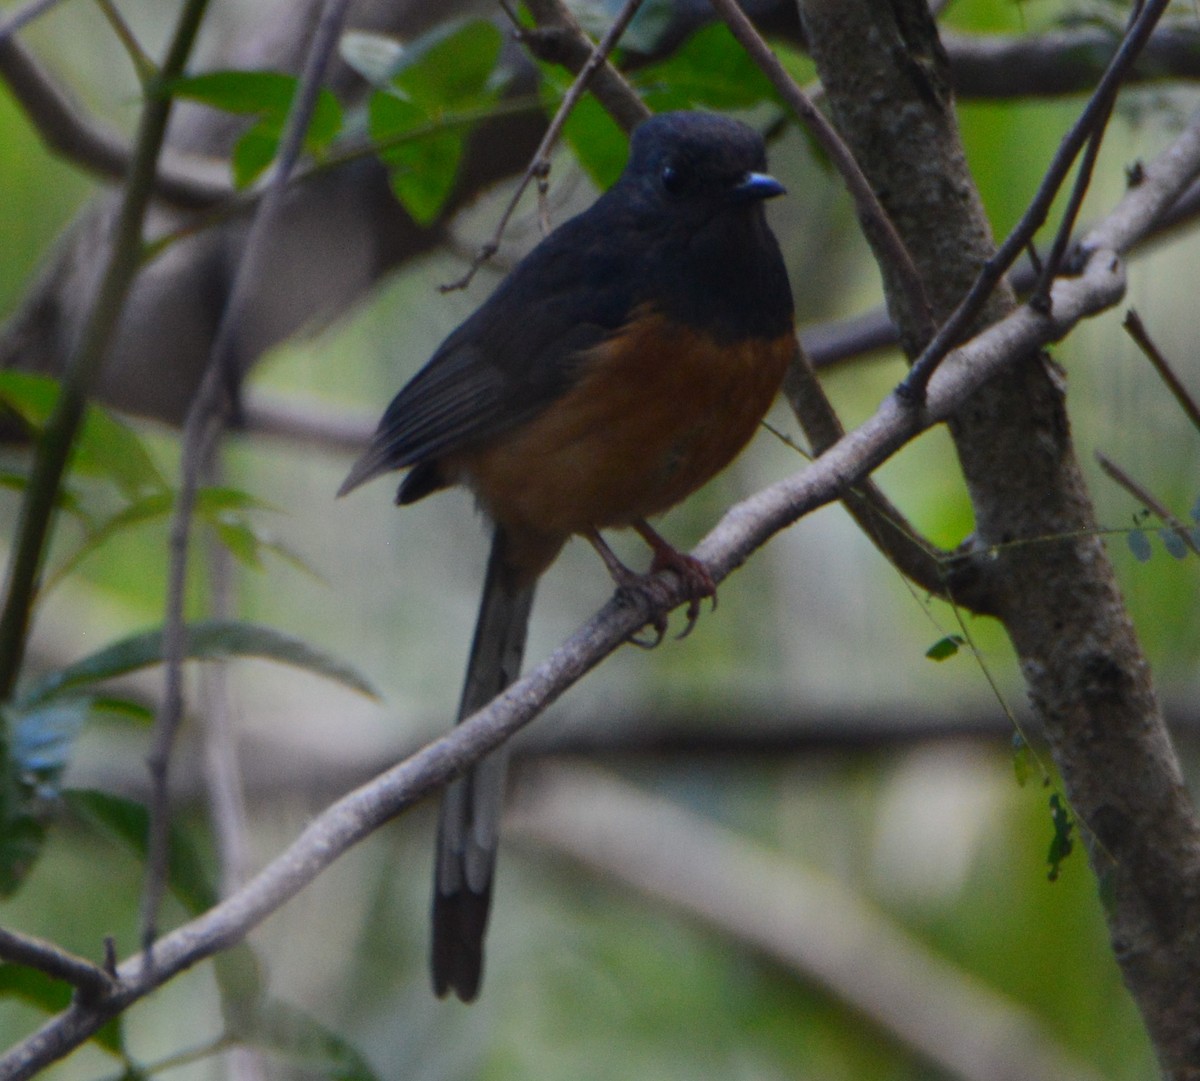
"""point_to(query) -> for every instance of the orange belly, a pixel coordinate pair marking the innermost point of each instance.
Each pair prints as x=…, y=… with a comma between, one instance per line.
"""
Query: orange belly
x=659, y=410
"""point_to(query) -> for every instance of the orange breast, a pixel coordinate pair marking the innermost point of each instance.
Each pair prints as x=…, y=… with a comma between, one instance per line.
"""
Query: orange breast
x=658, y=411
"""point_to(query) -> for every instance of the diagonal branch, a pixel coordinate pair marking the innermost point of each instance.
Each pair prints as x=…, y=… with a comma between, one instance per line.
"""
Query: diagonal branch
x=745, y=527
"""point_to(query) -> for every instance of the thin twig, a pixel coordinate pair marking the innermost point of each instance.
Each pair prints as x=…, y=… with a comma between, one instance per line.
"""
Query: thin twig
x=1147, y=499
x=1083, y=179
x=912, y=389
x=91, y=980
x=876, y=224
x=539, y=164
x=203, y=421
x=1136, y=329
x=54, y=448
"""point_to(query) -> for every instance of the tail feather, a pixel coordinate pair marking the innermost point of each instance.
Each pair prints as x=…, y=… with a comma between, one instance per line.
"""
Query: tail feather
x=469, y=821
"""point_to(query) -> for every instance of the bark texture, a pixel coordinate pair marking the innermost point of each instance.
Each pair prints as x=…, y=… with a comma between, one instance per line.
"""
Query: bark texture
x=1040, y=562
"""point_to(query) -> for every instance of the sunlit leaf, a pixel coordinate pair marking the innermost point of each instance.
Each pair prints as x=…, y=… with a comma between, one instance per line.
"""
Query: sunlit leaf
x=210, y=640
x=1022, y=759
x=422, y=171
x=449, y=72
x=450, y=68
x=945, y=648
x=595, y=138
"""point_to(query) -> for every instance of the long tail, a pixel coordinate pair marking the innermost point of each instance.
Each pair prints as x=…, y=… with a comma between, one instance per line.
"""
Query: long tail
x=469, y=822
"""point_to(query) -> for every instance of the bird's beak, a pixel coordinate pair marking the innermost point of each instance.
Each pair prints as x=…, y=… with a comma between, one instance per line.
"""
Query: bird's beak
x=755, y=186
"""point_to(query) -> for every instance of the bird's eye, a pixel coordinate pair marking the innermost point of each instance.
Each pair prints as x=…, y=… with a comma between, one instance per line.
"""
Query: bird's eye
x=672, y=179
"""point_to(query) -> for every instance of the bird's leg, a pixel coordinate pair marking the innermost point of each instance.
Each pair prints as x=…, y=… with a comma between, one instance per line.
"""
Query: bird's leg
x=629, y=582
x=694, y=574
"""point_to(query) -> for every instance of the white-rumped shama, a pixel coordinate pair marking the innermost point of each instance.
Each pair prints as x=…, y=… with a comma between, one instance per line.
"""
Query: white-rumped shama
x=624, y=362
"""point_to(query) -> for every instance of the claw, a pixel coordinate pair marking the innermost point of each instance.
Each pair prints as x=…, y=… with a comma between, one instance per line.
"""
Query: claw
x=697, y=581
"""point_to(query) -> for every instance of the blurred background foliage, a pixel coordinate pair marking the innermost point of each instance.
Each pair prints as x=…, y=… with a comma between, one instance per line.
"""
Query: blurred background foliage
x=803, y=714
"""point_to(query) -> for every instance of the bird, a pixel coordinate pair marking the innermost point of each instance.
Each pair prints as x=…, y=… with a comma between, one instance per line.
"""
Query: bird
x=620, y=365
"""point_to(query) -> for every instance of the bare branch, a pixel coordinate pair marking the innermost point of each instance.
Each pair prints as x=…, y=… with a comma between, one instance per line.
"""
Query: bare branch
x=91, y=980
x=204, y=420
x=743, y=528
x=1136, y=329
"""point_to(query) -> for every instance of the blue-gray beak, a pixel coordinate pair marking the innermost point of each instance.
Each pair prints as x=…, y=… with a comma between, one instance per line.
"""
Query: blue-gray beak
x=754, y=186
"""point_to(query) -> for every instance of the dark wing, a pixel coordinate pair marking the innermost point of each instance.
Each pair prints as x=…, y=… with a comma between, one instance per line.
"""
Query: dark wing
x=514, y=356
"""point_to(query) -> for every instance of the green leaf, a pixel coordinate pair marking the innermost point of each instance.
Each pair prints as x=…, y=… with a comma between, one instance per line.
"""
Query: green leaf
x=267, y=95
x=447, y=73
x=290, y=1032
x=1139, y=545
x=127, y=822
x=213, y=505
x=209, y=640
x=65, y=499
x=710, y=70
x=450, y=68
x=597, y=141
x=422, y=171
x=21, y=842
x=1061, y=843
x=946, y=647
x=106, y=447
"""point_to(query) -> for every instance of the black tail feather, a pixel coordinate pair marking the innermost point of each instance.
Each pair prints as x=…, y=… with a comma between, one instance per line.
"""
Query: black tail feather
x=469, y=821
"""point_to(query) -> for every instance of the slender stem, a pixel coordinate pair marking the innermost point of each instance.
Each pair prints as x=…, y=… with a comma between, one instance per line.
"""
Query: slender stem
x=35, y=522
x=54, y=961
x=951, y=332
x=1144, y=496
x=1136, y=329
x=539, y=164
x=204, y=421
